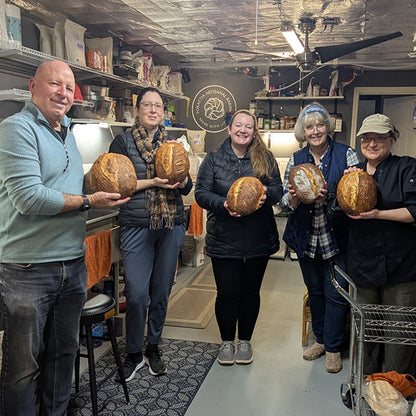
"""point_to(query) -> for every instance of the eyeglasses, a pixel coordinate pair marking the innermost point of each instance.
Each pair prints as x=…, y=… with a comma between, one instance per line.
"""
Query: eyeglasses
x=156, y=106
x=318, y=126
x=377, y=139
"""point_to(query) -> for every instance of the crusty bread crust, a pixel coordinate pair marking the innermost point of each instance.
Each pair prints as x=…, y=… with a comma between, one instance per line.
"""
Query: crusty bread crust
x=244, y=195
x=113, y=172
x=307, y=180
x=172, y=162
x=357, y=193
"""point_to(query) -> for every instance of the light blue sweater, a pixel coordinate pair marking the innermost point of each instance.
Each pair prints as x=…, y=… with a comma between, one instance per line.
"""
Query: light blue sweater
x=33, y=179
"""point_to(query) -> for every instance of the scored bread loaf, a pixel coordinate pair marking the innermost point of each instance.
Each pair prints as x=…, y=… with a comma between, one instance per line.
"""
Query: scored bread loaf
x=244, y=195
x=113, y=172
x=307, y=180
x=172, y=162
x=357, y=193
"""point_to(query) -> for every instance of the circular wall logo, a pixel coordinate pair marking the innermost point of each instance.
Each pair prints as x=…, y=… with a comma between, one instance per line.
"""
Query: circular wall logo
x=210, y=106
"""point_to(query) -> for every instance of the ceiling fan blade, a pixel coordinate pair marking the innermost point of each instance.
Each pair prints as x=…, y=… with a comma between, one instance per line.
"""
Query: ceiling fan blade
x=216, y=48
x=328, y=53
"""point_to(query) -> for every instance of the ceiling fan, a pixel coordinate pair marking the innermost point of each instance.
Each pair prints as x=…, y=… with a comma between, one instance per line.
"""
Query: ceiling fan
x=308, y=60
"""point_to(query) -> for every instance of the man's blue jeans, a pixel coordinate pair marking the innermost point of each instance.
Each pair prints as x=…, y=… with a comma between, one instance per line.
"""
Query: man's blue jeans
x=41, y=306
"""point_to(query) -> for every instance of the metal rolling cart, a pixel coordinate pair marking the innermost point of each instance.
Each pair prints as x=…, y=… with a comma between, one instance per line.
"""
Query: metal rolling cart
x=370, y=323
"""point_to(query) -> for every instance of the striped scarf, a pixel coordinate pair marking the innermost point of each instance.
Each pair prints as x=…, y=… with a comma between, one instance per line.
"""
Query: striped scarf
x=161, y=202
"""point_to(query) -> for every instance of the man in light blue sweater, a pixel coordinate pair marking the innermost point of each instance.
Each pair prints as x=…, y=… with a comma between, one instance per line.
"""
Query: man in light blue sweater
x=43, y=276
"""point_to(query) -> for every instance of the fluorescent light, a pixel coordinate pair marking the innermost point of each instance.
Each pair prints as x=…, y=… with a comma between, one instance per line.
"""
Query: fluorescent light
x=293, y=40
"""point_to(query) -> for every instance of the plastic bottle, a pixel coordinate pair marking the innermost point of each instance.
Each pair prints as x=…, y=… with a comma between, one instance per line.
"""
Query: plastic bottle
x=281, y=119
x=266, y=122
x=273, y=122
x=286, y=121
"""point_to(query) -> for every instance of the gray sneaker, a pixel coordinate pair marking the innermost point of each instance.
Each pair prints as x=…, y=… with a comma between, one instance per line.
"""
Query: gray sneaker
x=244, y=353
x=226, y=353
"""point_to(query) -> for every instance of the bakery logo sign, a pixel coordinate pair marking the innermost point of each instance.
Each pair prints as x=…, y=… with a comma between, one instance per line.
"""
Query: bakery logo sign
x=210, y=107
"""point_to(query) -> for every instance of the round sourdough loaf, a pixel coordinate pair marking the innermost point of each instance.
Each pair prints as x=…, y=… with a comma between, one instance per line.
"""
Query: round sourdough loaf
x=244, y=195
x=357, y=193
x=113, y=172
x=307, y=180
x=172, y=162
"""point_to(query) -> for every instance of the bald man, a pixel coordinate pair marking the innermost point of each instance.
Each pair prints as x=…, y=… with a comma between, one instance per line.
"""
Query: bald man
x=43, y=276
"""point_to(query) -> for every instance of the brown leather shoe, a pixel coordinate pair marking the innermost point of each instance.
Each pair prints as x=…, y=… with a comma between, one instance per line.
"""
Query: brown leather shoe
x=315, y=351
x=333, y=362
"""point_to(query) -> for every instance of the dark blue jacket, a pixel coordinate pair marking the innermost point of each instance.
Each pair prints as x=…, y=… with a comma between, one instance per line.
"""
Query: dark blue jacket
x=249, y=236
x=299, y=223
x=135, y=213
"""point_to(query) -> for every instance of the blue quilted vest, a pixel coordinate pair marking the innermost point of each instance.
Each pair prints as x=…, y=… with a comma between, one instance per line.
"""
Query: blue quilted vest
x=299, y=224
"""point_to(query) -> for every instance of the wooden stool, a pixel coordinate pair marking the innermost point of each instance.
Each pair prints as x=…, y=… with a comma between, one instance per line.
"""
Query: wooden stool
x=97, y=309
x=306, y=319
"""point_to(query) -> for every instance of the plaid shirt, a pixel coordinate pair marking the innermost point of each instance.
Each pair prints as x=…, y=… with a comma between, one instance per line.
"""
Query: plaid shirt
x=320, y=241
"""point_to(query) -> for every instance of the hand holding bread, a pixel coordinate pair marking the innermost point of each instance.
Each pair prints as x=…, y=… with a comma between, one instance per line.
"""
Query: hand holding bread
x=172, y=162
x=307, y=182
x=114, y=173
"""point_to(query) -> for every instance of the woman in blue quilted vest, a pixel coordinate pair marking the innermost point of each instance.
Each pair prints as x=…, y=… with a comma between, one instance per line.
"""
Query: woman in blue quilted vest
x=310, y=236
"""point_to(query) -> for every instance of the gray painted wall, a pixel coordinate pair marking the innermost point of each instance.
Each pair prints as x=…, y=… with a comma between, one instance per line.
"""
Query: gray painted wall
x=244, y=89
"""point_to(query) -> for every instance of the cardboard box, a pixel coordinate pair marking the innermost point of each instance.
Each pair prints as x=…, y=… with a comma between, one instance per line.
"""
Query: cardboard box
x=193, y=251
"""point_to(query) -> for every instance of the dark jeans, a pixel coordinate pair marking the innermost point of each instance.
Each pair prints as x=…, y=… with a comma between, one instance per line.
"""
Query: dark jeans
x=40, y=303
x=150, y=258
x=238, y=295
x=380, y=357
x=328, y=307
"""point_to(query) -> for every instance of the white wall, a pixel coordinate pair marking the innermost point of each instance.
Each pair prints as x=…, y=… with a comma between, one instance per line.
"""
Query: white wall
x=400, y=110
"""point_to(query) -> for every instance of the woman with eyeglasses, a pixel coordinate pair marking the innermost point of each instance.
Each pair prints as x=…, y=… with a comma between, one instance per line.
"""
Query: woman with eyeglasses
x=382, y=242
x=307, y=232
x=152, y=226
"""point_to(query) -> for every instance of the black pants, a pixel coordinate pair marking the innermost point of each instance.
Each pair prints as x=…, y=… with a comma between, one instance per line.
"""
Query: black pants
x=238, y=295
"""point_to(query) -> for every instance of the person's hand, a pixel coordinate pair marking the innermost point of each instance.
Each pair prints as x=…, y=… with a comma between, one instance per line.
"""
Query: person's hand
x=106, y=200
x=323, y=194
x=232, y=213
x=182, y=184
x=365, y=215
x=352, y=169
x=263, y=197
x=164, y=183
x=293, y=199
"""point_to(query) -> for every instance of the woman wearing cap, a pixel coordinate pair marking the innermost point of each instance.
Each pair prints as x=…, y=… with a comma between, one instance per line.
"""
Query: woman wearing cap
x=382, y=242
x=308, y=234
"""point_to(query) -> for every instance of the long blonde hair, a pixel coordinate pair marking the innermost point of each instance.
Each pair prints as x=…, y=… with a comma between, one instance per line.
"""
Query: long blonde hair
x=262, y=160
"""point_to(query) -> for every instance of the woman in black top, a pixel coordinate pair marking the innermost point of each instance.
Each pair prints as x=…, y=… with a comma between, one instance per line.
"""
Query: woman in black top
x=382, y=242
x=239, y=246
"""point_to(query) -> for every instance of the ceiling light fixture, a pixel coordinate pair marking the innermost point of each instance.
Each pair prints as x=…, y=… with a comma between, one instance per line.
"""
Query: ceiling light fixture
x=293, y=39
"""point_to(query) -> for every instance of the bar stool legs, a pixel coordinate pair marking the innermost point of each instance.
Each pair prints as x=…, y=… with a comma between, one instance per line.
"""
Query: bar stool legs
x=99, y=309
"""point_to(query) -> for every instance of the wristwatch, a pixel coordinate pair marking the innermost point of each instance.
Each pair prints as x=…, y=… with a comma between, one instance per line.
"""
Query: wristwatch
x=85, y=204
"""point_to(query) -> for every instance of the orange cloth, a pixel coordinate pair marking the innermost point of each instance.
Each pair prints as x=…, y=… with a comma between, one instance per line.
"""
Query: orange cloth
x=196, y=220
x=98, y=256
x=404, y=383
